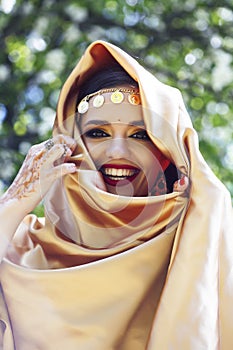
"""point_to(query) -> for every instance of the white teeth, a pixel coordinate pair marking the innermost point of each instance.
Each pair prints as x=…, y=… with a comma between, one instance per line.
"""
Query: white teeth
x=118, y=172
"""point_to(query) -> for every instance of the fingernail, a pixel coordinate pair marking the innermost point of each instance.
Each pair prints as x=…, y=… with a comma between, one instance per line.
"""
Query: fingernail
x=72, y=166
x=182, y=181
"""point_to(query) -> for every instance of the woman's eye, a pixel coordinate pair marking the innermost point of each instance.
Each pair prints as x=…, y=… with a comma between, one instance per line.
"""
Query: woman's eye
x=96, y=133
x=141, y=135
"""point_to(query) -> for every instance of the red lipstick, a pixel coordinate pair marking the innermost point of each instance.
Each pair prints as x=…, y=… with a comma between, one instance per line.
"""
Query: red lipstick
x=119, y=174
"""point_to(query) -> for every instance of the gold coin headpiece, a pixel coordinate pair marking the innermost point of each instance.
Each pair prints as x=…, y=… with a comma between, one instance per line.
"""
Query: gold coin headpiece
x=117, y=96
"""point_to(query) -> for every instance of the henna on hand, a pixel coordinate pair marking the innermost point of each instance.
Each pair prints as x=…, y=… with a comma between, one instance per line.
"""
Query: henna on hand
x=40, y=168
x=28, y=176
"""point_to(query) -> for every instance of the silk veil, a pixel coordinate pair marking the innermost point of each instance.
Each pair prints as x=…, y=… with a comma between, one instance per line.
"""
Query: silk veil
x=102, y=271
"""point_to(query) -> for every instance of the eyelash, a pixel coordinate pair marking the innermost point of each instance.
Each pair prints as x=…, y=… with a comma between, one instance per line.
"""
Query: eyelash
x=98, y=133
x=140, y=135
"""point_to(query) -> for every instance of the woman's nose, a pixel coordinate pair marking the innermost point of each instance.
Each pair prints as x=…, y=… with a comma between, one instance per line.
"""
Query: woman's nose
x=117, y=148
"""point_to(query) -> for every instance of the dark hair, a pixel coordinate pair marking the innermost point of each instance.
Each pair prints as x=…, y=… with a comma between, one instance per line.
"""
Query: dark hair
x=108, y=78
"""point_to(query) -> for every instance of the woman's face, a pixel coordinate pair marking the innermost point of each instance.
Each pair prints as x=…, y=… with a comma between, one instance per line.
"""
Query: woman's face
x=120, y=147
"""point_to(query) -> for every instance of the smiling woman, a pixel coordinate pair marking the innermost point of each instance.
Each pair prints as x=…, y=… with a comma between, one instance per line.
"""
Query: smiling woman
x=117, y=141
x=127, y=248
x=110, y=119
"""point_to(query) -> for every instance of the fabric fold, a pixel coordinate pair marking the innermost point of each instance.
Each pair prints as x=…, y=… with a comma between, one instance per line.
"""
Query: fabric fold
x=104, y=271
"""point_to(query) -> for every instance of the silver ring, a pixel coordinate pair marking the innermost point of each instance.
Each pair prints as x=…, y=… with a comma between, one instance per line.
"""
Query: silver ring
x=65, y=150
x=49, y=144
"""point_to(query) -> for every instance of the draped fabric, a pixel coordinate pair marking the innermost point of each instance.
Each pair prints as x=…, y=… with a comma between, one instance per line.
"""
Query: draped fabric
x=103, y=271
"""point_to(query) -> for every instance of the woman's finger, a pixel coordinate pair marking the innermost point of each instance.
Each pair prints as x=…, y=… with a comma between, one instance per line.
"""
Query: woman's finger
x=55, y=150
x=182, y=184
x=59, y=171
x=58, y=152
x=63, y=139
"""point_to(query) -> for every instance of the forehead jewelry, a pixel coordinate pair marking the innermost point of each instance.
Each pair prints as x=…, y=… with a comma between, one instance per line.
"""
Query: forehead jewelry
x=117, y=96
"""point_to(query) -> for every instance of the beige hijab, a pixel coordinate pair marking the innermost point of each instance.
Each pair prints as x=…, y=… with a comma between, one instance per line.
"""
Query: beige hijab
x=103, y=271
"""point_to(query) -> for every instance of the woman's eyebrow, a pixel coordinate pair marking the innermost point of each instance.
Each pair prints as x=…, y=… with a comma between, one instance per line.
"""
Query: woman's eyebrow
x=137, y=123
x=97, y=122
x=105, y=122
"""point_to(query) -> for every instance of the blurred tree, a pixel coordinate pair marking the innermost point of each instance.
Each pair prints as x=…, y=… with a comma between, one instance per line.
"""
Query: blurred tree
x=185, y=43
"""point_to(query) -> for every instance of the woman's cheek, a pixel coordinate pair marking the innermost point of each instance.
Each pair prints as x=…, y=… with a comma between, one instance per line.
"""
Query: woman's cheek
x=96, y=151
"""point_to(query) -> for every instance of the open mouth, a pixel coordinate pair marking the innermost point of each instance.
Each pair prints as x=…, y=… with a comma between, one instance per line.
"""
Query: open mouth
x=118, y=174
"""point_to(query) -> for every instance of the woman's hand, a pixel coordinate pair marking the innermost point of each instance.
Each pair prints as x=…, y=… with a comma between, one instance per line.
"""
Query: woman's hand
x=44, y=163
x=182, y=185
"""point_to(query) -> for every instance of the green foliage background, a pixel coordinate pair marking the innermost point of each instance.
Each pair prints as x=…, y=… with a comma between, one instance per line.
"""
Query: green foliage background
x=185, y=43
